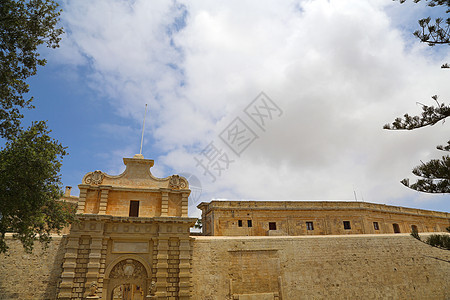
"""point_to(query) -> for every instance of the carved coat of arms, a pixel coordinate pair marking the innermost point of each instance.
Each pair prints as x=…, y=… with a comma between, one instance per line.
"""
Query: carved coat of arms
x=177, y=182
x=95, y=177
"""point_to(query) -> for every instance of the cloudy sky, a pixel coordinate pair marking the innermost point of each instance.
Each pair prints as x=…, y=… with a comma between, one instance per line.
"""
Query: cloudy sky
x=332, y=74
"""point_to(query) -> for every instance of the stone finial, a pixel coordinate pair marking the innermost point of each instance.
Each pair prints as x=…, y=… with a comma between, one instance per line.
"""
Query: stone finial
x=139, y=156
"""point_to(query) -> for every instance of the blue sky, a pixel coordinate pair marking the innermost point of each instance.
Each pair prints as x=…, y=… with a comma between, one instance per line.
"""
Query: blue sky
x=337, y=71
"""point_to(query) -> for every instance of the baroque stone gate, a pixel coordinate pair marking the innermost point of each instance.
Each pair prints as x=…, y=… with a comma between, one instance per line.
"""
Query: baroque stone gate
x=131, y=240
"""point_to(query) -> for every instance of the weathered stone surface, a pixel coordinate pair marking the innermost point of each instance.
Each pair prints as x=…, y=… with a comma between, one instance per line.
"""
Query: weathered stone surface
x=129, y=234
x=109, y=252
x=320, y=267
x=31, y=276
x=255, y=218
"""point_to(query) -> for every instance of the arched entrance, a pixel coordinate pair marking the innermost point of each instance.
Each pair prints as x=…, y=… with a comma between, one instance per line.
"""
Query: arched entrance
x=127, y=279
x=396, y=228
x=128, y=291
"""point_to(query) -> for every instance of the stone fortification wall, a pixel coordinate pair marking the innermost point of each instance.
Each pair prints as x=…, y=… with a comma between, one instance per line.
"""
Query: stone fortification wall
x=319, y=267
x=31, y=276
x=308, y=267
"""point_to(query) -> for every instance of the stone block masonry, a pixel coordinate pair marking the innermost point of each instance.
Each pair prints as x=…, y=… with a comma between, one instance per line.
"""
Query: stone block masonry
x=31, y=276
x=319, y=267
x=391, y=266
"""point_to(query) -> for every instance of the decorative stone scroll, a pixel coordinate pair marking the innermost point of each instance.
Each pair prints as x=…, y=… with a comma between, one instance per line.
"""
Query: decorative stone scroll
x=95, y=177
x=128, y=268
x=177, y=182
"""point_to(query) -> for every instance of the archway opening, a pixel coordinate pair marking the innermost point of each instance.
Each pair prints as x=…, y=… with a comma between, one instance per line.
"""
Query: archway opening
x=396, y=228
x=127, y=280
x=128, y=291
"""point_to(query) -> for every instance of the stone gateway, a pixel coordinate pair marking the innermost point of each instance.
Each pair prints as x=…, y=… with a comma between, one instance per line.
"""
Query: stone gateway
x=132, y=241
x=133, y=230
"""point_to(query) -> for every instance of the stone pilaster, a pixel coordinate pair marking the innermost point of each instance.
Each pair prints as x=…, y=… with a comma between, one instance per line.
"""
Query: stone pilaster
x=81, y=269
x=184, y=204
x=93, y=265
x=82, y=200
x=162, y=266
x=185, y=269
x=102, y=266
x=103, y=200
x=174, y=270
x=164, y=204
x=68, y=272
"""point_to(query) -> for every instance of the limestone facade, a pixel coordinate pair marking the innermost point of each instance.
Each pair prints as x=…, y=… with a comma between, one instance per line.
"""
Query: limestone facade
x=294, y=218
x=131, y=240
x=357, y=266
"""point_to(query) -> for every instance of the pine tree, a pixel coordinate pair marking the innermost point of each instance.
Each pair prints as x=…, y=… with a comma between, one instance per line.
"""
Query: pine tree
x=435, y=174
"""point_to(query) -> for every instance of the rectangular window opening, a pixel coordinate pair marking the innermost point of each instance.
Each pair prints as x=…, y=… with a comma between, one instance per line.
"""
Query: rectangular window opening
x=375, y=226
x=249, y=223
x=309, y=226
x=272, y=225
x=240, y=223
x=347, y=225
x=134, y=208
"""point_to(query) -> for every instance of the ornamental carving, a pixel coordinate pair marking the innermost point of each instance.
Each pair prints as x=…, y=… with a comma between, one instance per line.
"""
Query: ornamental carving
x=95, y=177
x=177, y=182
x=128, y=268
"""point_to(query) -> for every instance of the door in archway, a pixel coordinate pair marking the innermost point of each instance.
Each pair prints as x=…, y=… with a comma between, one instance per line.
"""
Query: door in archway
x=128, y=291
x=127, y=281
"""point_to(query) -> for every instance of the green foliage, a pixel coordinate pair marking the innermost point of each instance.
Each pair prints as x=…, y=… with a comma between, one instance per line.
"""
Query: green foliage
x=30, y=187
x=439, y=240
x=435, y=174
x=198, y=224
x=437, y=32
x=430, y=116
x=30, y=161
x=436, y=240
x=24, y=26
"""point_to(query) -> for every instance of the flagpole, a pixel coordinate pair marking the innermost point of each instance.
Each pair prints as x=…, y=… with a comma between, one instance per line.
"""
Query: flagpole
x=143, y=127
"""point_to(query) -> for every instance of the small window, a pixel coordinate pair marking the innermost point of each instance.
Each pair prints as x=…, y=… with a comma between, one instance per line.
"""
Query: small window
x=309, y=226
x=375, y=226
x=396, y=228
x=240, y=223
x=249, y=223
x=347, y=225
x=134, y=208
x=272, y=226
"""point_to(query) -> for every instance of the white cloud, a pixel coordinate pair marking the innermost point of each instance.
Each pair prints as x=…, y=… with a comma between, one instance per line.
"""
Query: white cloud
x=338, y=69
